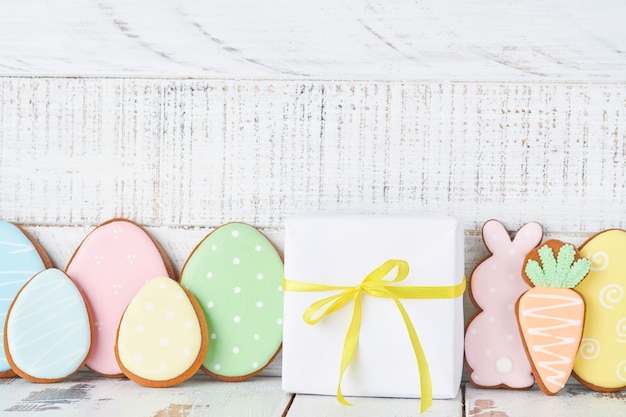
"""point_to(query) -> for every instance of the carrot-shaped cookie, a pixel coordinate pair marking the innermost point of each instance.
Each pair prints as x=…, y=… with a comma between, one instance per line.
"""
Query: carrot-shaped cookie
x=551, y=314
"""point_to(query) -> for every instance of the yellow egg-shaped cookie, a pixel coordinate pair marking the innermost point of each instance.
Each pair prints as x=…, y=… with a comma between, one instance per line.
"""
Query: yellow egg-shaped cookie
x=162, y=339
x=601, y=360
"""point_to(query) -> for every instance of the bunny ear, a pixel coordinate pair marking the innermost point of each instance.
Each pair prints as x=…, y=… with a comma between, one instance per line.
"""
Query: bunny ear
x=528, y=236
x=495, y=235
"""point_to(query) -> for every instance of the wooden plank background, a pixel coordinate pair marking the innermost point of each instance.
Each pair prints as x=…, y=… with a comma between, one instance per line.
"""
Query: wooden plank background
x=186, y=116
x=354, y=39
x=188, y=153
x=184, y=156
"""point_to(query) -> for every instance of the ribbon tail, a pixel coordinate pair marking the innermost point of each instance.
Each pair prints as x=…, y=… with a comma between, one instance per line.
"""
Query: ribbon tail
x=426, y=388
x=350, y=345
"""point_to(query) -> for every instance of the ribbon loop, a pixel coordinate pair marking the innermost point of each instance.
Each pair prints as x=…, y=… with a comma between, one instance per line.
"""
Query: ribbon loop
x=375, y=285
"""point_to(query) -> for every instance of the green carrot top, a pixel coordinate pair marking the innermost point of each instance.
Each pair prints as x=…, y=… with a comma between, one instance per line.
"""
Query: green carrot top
x=559, y=272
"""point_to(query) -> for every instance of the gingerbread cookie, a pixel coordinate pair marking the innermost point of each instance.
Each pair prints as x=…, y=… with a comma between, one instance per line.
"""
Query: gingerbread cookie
x=236, y=275
x=551, y=314
x=601, y=360
x=494, y=353
x=21, y=257
x=162, y=338
x=48, y=329
x=110, y=266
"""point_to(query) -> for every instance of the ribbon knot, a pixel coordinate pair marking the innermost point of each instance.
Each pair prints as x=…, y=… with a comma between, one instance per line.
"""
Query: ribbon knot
x=375, y=285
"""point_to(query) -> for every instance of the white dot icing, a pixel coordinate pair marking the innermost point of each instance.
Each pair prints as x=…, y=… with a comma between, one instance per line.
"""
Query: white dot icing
x=168, y=348
x=247, y=273
x=108, y=308
x=504, y=365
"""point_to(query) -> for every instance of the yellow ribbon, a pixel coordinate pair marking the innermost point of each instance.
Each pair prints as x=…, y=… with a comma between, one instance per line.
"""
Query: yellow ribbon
x=375, y=285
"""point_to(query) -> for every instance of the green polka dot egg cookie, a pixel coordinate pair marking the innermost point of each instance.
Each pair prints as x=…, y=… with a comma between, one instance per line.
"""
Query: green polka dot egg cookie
x=236, y=275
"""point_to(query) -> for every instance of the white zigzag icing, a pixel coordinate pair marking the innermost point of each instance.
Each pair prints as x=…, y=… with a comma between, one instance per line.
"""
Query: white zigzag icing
x=563, y=322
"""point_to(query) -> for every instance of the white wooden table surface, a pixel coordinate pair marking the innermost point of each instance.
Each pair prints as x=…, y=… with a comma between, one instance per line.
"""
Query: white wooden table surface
x=184, y=116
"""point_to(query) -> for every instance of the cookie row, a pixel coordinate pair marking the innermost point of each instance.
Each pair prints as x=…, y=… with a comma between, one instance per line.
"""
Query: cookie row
x=548, y=311
x=119, y=309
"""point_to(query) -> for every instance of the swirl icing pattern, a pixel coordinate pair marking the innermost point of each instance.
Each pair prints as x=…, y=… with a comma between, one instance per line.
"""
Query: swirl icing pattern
x=589, y=348
x=620, y=330
x=605, y=316
x=611, y=295
x=620, y=372
x=599, y=261
x=19, y=261
x=48, y=330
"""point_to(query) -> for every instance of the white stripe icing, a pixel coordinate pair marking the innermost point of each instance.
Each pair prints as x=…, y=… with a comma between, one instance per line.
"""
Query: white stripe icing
x=22, y=247
x=19, y=261
x=48, y=332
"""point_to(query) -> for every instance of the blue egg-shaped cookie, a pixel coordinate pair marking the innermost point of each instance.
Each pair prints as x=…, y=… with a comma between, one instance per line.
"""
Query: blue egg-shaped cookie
x=20, y=259
x=236, y=275
x=48, y=329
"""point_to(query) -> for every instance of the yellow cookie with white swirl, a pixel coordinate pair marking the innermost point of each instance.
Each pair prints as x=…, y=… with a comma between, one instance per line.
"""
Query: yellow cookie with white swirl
x=601, y=360
x=162, y=339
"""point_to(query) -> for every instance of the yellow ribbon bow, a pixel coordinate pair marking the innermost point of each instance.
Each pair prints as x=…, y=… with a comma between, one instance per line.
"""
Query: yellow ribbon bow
x=375, y=285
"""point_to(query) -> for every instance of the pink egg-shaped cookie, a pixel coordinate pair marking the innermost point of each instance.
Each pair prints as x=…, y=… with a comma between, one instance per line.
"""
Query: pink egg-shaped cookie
x=494, y=352
x=110, y=267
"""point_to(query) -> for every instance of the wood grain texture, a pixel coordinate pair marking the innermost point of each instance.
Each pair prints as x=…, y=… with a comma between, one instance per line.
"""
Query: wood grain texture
x=357, y=39
x=573, y=400
x=324, y=406
x=188, y=153
x=86, y=394
x=186, y=116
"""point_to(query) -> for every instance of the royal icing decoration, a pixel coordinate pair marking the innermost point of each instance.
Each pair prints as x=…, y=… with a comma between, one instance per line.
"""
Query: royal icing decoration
x=601, y=360
x=48, y=332
x=236, y=275
x=19, y=261
x=110, y=266
x=494, y=352
x=551, y=314
x=161, y=340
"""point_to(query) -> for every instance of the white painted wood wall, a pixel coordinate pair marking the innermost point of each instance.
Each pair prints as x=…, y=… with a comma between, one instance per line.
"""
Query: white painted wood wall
x=185, y=116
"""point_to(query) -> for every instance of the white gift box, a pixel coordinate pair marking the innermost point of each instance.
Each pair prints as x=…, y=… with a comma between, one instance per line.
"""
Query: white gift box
x=341, y=250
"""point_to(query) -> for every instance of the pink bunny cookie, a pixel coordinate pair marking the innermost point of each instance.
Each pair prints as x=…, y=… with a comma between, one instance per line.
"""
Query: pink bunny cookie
x=494, y=353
